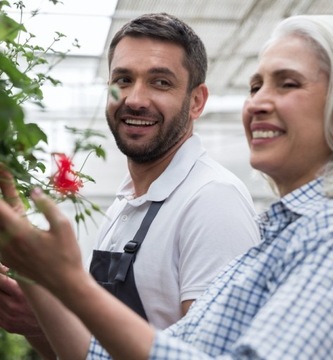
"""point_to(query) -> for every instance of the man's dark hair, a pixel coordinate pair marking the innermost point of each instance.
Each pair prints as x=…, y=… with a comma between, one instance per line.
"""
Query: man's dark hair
x=165, y=27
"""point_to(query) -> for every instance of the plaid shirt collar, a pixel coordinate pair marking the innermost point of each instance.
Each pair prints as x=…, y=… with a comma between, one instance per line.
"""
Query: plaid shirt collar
x=290, y=207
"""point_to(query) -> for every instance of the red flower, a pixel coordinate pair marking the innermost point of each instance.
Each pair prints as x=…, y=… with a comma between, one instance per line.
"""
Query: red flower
x=65, y=180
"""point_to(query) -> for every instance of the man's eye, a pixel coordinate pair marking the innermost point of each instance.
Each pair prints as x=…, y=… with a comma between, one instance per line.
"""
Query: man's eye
x=121, y=81
x=162, y=83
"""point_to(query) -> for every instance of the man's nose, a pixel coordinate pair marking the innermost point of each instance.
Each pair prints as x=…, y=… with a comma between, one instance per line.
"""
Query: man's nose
x=137, y=96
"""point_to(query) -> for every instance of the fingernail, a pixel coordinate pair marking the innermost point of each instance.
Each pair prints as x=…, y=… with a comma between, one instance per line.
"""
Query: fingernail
x=37, y=191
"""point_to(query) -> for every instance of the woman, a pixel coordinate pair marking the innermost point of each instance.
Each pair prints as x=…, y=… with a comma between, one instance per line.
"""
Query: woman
x=275, y=301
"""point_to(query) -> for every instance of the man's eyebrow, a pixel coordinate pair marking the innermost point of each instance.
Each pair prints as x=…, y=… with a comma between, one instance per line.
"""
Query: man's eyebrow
x=154, y=70
x=120, y=70
x=162, y=70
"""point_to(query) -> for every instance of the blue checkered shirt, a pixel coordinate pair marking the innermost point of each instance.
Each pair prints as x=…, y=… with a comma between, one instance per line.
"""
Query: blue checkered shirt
x=274, y=302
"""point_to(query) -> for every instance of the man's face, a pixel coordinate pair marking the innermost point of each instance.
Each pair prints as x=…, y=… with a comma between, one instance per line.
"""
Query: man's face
x=153, y=113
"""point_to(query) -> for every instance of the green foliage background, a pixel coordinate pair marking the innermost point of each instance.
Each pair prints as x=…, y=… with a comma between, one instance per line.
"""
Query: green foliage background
x=21, y=143
x=15, y=88
x=15, y=347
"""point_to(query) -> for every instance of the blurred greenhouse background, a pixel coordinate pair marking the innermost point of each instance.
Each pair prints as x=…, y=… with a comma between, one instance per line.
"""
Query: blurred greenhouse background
x=232, y=30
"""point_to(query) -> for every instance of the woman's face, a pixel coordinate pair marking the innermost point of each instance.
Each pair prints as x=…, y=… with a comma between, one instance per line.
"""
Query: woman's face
x=284, y=114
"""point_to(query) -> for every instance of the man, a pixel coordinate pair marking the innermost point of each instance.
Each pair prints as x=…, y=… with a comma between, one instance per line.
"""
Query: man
x=200, y=216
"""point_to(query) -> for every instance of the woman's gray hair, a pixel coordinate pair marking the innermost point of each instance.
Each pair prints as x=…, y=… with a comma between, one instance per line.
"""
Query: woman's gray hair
x=317, y=30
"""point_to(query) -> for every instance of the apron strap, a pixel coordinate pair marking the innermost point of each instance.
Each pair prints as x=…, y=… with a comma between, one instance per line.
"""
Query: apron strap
x=131, y=248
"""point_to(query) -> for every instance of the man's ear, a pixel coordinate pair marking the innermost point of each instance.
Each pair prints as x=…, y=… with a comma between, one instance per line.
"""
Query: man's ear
x=199, y=96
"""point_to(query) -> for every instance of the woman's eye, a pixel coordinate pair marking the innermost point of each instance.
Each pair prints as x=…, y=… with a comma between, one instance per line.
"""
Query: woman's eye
x=254, y=88
x=290, y=84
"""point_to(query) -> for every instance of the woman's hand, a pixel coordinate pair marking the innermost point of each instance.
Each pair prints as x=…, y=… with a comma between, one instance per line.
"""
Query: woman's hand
x=41, y=255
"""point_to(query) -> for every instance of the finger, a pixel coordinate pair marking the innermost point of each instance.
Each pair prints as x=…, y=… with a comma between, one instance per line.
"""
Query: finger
x=12, y=224
x=48, y=207
x=7, y=285
x=3, y=269
x=8, y=189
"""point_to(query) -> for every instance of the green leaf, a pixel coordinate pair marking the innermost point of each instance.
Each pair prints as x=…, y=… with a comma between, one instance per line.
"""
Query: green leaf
x=9, y=111
x=31, y=134
x=87, y=177
x=9, y=28
x=88, y=212
x=100, y=152
x=41, y=166
x=95, y=207
x=77, y=218
x=17, y=78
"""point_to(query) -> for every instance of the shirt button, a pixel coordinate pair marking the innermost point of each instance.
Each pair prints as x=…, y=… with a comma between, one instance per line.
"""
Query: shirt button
x=124, y=218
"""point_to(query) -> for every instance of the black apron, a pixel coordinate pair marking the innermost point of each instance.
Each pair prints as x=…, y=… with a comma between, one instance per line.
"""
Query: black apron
x=114, y=270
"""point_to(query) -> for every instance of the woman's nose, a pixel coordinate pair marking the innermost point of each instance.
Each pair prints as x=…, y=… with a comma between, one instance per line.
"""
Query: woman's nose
x=137, y=96
x=261, y=101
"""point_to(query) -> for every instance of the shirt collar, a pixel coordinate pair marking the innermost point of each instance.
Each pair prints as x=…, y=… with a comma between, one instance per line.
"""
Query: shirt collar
x=300, y=200
x=173, y=175
x=287, y=209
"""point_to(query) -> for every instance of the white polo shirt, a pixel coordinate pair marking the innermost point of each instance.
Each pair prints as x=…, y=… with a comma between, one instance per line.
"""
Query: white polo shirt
x=207, y=219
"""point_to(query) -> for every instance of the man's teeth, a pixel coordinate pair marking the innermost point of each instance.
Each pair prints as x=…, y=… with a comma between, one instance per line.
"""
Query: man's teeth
x=138, y=122
x=266, y=134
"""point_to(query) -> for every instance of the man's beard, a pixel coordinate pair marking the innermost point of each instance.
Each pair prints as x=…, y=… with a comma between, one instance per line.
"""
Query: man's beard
x=166, y=138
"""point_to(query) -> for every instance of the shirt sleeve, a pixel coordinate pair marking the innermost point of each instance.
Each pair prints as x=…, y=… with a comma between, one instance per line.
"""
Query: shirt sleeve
x=295, y=321
x=96, y=351
x=298, y=317
x=166, y=347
